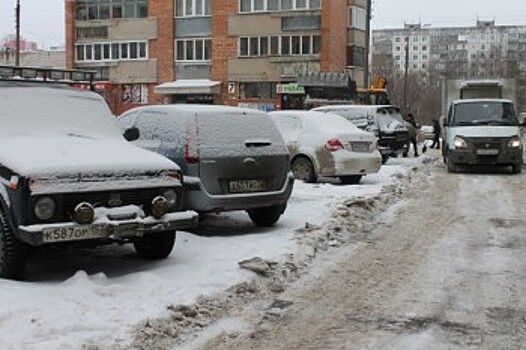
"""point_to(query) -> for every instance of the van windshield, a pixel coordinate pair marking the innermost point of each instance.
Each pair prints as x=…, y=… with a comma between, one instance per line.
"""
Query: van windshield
x=485, y=113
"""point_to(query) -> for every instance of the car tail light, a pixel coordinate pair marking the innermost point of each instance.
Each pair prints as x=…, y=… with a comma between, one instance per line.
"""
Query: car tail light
x=334, y=145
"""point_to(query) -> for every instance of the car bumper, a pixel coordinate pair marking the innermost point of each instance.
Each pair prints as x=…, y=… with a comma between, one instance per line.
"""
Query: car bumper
x=354, y=164
x=470, y=157
x=197, y=198
x=105, y=230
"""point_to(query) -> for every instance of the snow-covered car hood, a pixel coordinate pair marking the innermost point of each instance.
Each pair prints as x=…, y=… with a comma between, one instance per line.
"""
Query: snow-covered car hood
x=70, y=155
x=389, y=124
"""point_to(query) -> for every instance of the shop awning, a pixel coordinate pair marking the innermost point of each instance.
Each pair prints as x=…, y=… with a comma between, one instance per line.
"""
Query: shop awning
x=189, y=86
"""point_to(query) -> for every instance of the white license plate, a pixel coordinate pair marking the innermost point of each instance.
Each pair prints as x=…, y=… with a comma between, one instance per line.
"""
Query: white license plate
x=360, y=147
x=77, y=233
x=245, y=186
x=488, y=152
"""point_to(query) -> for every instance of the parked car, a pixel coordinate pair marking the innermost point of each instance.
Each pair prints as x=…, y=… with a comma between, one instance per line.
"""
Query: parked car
x=68, y=177
x=385, y=122
x=326, y=144
x=231, y=158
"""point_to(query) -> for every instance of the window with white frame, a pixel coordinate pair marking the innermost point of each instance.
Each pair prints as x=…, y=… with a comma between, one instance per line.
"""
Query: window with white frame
x=193, y=8
x=357, y=18
x=275, y=45
x=248, y=6
x=112, y=51
x=194, y=50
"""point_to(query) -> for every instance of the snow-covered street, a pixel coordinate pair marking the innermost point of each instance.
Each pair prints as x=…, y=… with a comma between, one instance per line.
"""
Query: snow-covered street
x=100, y=296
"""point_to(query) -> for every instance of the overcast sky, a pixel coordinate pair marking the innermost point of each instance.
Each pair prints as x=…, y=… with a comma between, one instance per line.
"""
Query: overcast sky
x=43, y=20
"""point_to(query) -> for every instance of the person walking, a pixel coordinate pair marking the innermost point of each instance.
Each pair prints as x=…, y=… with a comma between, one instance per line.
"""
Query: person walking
x=412, y=128
x=436, y=134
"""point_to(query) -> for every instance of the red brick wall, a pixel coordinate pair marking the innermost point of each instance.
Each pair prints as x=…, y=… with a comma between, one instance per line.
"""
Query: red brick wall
x=224, y=46
x=334, y=35
x=162, y=49
x=70, y=7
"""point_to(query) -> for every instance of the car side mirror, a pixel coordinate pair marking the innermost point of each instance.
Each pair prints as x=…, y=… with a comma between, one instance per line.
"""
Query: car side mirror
x=132, y=134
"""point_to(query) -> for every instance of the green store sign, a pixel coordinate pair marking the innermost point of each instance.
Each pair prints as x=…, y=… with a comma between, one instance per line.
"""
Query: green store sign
x=290, y=89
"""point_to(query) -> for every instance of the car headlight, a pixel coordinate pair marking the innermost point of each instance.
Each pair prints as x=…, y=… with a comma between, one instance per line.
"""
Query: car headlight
x=515, y=142
x=171, y=197
x=45, y=208
x=460, y=143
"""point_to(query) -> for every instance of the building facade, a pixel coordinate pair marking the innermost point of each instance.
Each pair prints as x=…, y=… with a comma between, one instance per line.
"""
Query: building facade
x=237, y=52
x=483, y=51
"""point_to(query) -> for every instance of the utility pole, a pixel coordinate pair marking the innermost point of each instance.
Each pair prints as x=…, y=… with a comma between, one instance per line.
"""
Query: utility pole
x=368, y=44
x=17, y=15
x=406, y=68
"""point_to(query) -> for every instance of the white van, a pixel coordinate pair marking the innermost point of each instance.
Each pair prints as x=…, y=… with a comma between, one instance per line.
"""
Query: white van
x=482, y=131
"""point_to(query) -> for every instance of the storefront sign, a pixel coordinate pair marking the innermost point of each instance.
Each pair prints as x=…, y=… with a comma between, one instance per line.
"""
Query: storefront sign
x=290, y=89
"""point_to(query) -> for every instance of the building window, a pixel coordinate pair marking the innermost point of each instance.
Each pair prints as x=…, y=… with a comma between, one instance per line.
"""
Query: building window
x=194, y=50
x=193, y=8
x=356, y=56
x=357, y=18
x=135, y=93
x=88, y=10
x=108, y=52
x=92, y=32
x=260, y=90
x=284, y=45
x=248, y=6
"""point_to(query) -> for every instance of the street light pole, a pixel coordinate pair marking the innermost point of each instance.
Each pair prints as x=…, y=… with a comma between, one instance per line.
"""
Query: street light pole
x=17, y=53
x=406, y=69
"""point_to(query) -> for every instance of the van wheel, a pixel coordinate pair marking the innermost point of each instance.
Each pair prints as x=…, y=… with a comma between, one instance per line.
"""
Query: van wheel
x=266, y=217
x=516, y=169
x=155, y=246
x=451, y=167
x=351, y=180
x=13, y=252
x=303, y=170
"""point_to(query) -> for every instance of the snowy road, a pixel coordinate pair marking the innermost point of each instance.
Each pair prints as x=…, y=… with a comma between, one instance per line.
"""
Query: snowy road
x=97, y=297
x=447, y=271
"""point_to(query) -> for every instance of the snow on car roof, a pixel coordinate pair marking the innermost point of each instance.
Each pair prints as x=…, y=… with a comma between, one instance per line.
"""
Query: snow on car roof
x=198, y=108
x=337, y=107
x=322, y=121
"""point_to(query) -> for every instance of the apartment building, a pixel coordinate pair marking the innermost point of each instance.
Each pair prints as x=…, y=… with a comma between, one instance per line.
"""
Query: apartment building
x=237, y=52
x=482, y=51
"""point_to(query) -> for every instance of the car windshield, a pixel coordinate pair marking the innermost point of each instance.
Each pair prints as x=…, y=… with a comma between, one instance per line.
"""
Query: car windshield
x=485, y=113
x=52, y=111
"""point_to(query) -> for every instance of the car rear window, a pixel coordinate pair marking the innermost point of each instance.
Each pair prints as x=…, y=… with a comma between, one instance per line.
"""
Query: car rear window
x=235, y=128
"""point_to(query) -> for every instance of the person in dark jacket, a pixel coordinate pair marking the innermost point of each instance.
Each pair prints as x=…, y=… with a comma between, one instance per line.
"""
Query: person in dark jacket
x=436, y=134
x=412, y=128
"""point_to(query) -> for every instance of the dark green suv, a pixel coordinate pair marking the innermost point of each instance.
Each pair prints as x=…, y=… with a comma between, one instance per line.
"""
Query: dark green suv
x=69, y=177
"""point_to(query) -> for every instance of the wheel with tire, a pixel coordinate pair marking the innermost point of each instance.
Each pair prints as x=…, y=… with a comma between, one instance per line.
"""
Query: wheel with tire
x=351, y=180
x=155, y=246
x=267, y=216
x=451, y=167
x=303, y=169
x=516, y=169
x=13, y=252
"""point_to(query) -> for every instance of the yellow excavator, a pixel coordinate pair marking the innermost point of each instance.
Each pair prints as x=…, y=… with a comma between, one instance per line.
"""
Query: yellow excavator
x=376, y=94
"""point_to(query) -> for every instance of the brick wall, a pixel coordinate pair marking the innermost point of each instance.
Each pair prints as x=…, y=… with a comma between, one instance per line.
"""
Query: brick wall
x=162, y=48
x=70, y=7
x=225, y=47
x=334, y=36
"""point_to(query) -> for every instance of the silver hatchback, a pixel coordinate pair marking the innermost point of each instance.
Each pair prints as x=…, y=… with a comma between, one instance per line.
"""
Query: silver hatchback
x=231, y=158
